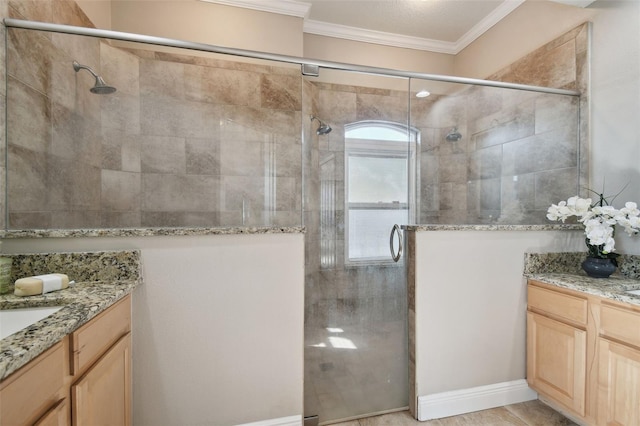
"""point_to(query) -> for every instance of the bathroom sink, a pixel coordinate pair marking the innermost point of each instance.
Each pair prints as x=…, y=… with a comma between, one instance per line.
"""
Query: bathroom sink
x=13, y=320
x=637, y=292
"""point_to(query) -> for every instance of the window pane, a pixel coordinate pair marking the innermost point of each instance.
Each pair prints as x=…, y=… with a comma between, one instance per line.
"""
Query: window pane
x=369, y=232
x=377, y=179
x=378, y=133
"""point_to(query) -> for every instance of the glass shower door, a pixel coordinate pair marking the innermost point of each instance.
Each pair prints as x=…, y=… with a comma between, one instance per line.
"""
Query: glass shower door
x=357, y=186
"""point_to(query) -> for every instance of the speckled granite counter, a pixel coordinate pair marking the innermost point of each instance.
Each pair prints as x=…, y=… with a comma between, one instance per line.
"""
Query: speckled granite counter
x=491, y=227
x=102, y=278
x=148, y=232
x=563, y=270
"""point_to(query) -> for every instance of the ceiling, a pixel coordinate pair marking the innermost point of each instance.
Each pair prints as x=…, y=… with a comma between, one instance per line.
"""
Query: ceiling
x=444, y=26
x=437, y=20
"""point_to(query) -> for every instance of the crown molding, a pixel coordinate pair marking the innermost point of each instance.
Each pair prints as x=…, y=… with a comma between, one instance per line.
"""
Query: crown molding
x=489, y=21
x=283, y=7
x=301, y=10
x=377, y=37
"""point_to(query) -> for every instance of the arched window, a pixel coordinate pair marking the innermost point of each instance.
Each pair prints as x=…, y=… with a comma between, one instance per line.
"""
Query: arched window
x=379, y=186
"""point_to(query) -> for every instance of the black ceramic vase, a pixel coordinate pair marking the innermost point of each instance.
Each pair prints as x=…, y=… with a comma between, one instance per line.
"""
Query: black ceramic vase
x=597, y=267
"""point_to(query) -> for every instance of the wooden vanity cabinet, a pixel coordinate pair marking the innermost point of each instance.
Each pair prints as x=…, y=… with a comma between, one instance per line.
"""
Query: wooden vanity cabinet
x=557, y=347
x=619, y=365
x=101, y=362
x=35, y=394
x=583, y=354
x=85, y=379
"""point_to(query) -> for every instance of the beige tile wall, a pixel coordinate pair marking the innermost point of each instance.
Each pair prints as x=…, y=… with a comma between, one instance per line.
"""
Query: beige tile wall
x=194, y=141
x=185, y=141
x=519, y=152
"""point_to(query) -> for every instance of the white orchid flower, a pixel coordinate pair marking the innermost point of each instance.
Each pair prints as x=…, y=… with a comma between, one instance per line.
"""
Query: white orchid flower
x=599, y=221
x=630, y=209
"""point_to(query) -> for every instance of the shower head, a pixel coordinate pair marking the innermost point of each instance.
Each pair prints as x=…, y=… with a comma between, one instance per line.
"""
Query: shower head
x=100, y=87
x=323, y=128
x=454, y=135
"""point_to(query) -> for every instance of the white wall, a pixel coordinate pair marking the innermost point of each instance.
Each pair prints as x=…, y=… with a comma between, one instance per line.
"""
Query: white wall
x=471, y=305
x=217, y=325
x=615, y=119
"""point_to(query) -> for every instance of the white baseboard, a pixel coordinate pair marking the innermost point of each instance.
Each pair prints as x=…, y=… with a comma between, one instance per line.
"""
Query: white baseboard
x=463, y=401
x=282, y=421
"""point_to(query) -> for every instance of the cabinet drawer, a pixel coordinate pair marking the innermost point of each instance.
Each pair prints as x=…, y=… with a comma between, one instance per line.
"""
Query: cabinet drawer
x=620, y=324
x=31, y=391
x=560, y=305
x=56, y=416
x=91, y=340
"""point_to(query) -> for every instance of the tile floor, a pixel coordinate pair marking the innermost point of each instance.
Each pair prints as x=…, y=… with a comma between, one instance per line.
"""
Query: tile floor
x=531, y=413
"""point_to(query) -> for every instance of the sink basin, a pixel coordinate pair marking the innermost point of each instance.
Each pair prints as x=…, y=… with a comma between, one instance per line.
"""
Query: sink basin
x=13, y=320
x=634, y=292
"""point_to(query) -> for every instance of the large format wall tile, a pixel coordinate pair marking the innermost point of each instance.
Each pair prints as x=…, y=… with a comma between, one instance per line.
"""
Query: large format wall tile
x=28, y=57
x=202, y=156
x=120, y=150
x=514, y=143
x=28, y=117
x=553, y=111
x=120, y=191
x=504, y=126
x=554, y=185
x=174, y=193
x=120, y=69
x=163, y=154
x=28, y=182
x=379, y=107
x=555, y=149
x=75, y=136
x=280, y=92
x=36, y=10
x=162, y=79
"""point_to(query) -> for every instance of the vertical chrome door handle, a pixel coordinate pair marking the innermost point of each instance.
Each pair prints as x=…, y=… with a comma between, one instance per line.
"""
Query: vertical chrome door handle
x=396, y=256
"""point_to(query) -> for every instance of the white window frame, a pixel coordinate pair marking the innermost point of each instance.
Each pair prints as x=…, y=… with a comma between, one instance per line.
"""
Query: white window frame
x=385, y=149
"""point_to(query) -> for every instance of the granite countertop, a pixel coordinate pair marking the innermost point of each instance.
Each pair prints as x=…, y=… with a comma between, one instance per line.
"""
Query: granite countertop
x=149, y=232
x=563, y=270
x=102, y=278
x=613, y=287
x=491, y=227
x=81, y=302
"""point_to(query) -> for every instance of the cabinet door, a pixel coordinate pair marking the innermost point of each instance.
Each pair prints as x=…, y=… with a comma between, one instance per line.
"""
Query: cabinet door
x=556, y=361
x=103, y=395
x=618, y=384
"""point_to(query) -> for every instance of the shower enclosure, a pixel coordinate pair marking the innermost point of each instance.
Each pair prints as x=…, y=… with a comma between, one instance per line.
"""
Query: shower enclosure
x=202, y=136
x=359, y=182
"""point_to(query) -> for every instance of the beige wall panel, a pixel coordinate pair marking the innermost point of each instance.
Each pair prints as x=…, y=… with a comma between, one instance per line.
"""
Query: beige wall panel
x=470, y=320
x=525, y=29
x=98, y=11
x=217, y=325
x=210, y=23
